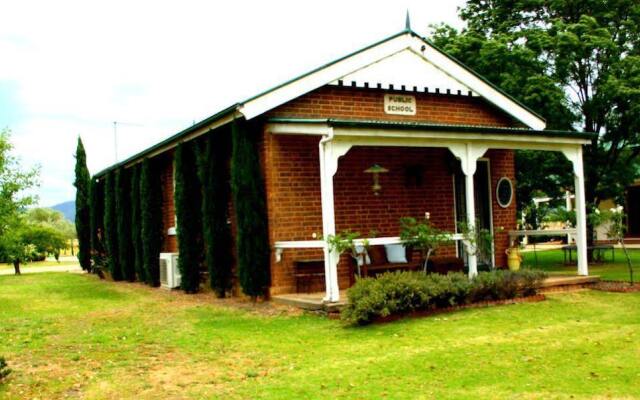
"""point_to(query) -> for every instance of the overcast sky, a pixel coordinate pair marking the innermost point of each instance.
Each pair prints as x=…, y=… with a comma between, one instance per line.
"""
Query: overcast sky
x=71, y=68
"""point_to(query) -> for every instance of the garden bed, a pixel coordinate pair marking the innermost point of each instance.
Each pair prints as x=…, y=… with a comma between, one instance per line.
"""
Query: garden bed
x=482, y=304
x=396, y=295
x=617, y=286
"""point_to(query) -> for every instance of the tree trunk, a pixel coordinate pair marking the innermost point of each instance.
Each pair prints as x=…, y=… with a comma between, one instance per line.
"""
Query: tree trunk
x=16, y=266
x=590, y=241
x=626, y=254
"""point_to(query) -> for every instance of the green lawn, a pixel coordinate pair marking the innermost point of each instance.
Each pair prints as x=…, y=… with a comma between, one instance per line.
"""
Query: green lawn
x=552, y=261
x=40, y=264
x=73, y=335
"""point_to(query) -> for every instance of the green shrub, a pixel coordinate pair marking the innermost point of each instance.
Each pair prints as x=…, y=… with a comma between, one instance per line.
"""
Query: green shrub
x=459, y=287
x=188, y=200
x=388, y=294
x=531, y=281
x=97, y=221
x=123, y=212
x=151, y=221
x=486, y=286
x=252, y=237
x=403, y=292
x=136, y=226
x=111, y=226
x=83, y=211
x=213, y=171
x=4, y=369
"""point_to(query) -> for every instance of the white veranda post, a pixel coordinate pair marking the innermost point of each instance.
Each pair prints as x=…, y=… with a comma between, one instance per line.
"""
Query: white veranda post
x=468, y=155
x=329, y=151
x=574, y=154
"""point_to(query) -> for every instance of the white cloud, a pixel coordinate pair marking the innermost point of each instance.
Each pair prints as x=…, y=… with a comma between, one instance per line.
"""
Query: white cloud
x=80, y=65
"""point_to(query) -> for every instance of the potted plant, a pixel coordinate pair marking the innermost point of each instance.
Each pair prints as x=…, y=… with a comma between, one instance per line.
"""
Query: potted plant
x=478, y=241
x=616, y=231
x=344, y=241
x=422, y=236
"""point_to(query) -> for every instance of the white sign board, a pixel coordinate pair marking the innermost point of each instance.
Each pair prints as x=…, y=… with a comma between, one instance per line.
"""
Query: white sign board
x=399, y=104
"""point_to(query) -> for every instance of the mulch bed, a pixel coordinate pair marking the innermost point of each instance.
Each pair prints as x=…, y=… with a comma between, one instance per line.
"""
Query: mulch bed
x=426, y=313
x=617, y=286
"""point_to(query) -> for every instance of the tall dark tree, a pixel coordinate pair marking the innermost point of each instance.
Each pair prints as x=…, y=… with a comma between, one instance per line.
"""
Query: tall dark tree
x=136, y=226
x=111, y=226
x=252, y=239
x=83, y=211
x=123, y=207
x=578, y=63
x=151, y=220
x=96, y=206
x=213, y=171
x=188, y=200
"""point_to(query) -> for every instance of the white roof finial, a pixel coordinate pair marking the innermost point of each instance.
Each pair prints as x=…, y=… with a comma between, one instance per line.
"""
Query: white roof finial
x=407, y=22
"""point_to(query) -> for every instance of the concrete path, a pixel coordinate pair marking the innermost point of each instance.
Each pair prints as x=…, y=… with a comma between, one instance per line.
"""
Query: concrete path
x=33, y=270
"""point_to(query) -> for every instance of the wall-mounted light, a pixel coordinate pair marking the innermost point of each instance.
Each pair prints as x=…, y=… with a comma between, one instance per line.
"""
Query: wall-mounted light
x=376, y=170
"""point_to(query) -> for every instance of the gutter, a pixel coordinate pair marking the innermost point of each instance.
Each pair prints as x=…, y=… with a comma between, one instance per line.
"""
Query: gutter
x=186, y=134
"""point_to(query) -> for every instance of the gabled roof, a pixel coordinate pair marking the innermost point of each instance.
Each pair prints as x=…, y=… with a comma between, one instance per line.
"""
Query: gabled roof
x=403, y=44
x=424, y=67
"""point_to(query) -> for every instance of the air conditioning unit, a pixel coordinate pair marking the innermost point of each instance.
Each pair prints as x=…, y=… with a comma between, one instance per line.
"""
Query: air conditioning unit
x=169, y=272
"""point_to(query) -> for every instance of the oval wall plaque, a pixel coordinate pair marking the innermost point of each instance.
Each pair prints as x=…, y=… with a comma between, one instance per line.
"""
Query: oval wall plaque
x=504, y=192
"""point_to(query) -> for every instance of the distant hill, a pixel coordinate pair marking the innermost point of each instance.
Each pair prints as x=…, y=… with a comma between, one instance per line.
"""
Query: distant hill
x=68, y=208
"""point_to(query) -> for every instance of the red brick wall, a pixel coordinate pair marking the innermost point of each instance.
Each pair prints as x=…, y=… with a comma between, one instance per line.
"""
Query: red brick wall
x=291, y=171
x=293, y=187
x=359, y=103
x=293, y=181
x=504, y=219
x=169, y=242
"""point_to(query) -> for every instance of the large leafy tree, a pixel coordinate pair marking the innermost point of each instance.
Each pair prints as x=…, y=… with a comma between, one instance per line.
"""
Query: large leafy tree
x=83, y=213
x=14, y=182
x=575, y=62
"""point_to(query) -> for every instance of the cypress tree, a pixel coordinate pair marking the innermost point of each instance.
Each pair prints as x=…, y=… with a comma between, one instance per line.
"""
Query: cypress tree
x=111, y=226
x=136, y=239
x=252, y=240
x=187, y=200
x=151, y=220
x=213, y=170
x=83, y=225
x=96, y=206
x=123, y=207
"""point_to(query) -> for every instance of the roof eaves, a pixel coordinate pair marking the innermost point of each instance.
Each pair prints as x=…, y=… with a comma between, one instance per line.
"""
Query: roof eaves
x=170, y=140
x=461, y=128
x=476, y=74
x=403, y=32
x=412, y=125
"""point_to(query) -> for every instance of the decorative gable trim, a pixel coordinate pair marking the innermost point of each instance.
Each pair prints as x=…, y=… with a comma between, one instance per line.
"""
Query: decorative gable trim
x=406, y=40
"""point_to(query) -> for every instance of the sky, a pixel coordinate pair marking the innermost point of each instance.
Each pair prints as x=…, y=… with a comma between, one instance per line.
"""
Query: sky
x=72, y=68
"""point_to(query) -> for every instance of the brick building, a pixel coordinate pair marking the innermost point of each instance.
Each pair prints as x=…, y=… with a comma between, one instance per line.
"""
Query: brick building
x=439, y=130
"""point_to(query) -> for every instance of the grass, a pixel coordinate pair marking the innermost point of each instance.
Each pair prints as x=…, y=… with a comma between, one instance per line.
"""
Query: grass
x=40, y=264
x=67, y=335
x=552, y=261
